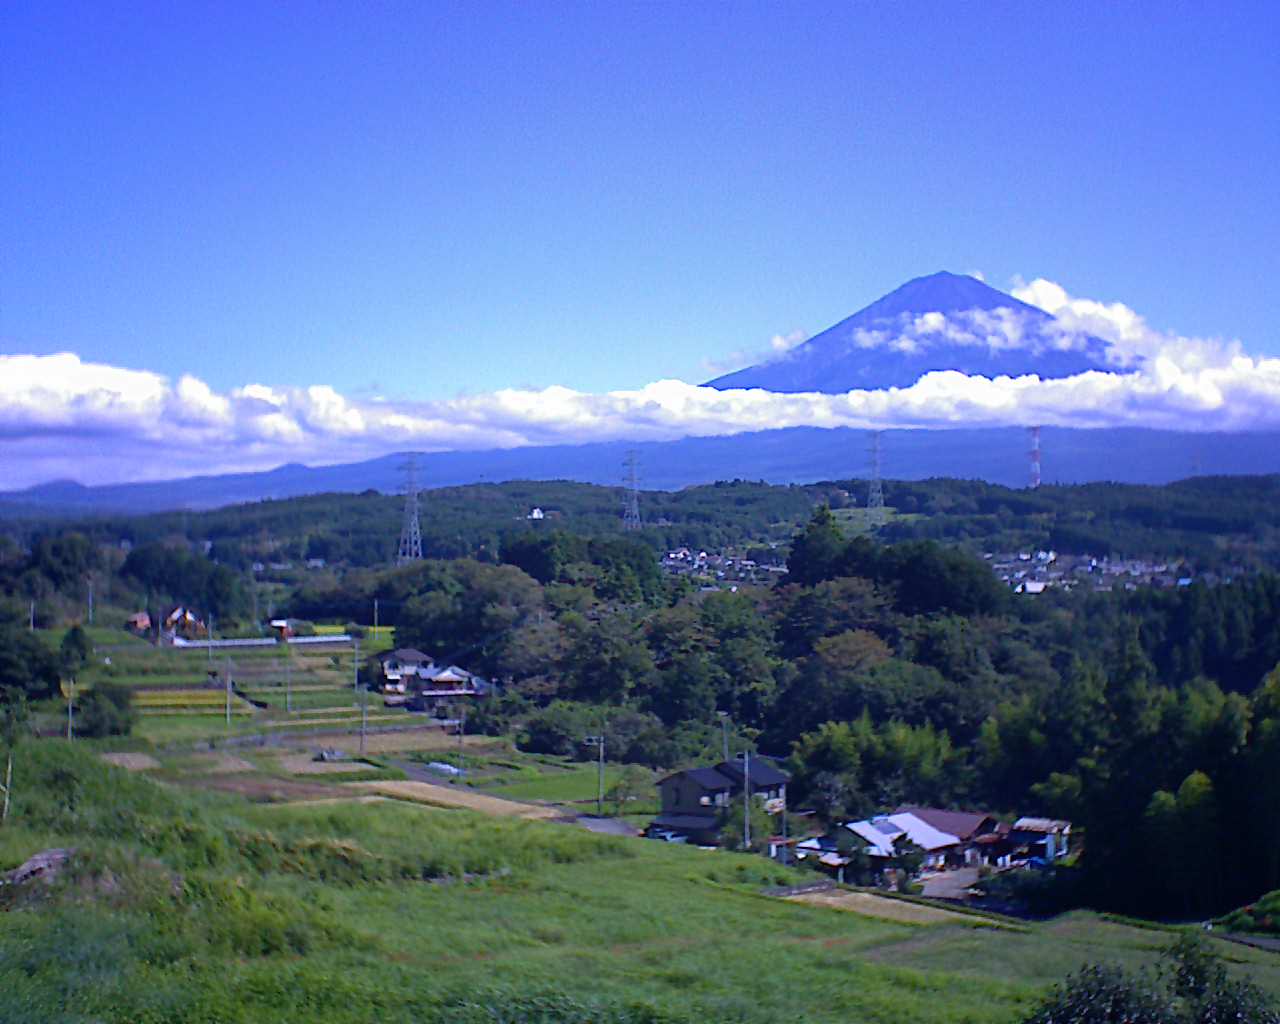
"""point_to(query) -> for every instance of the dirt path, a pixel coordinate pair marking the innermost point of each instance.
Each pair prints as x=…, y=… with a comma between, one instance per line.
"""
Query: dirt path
x=881, y=906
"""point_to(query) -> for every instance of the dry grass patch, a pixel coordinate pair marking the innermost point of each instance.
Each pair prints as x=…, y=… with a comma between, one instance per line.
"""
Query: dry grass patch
x=432, y=738
x=219, y=764
x=305, y=764
x=133, y=762
x=449, y=796
x=882, y=907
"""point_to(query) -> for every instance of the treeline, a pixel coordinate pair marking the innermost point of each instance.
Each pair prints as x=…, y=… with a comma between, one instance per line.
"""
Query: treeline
x=362, y=530
x=1214, y=522
x=1147, y=718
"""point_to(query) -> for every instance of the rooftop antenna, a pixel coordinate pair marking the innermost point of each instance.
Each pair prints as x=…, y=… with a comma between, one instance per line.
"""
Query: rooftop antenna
x=1035, y=456
x=411, y=528
x=631, y=503
x=874, y=513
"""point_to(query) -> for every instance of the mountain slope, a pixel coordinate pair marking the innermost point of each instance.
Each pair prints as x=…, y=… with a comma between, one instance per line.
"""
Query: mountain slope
x=795, y=455
x=940, y=322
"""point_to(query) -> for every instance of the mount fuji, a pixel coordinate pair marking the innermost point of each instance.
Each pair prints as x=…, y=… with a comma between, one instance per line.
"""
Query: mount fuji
x=940, y=322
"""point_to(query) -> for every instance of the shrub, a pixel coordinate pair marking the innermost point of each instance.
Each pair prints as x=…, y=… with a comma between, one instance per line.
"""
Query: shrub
x=106, y=710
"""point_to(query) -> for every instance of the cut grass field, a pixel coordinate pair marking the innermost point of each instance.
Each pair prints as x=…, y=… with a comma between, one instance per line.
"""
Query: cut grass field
x=222, y=910
x=561, y=785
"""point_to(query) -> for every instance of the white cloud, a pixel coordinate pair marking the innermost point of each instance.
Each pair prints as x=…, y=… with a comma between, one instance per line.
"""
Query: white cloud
x=59, y=415
x=1130, y=340
x=778, y=347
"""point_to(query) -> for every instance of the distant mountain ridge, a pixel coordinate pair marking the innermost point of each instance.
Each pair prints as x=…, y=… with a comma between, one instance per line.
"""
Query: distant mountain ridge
x=943, y=321
x=794, y=455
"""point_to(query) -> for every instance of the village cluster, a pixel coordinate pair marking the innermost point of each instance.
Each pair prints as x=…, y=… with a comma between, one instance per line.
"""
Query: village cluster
x=716, y=567
x=1034, y=572
x=934, y=841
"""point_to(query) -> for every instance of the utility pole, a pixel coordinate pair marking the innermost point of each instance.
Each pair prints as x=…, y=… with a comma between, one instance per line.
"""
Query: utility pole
x=226, y=671
x=288, y=678
x=462, y=724
x=724, y=732
x=364, y=717
x=209, y=645
x=746, y=800
x=598, y=743
x=375, y=617
x=32, y=621
x=364, y=694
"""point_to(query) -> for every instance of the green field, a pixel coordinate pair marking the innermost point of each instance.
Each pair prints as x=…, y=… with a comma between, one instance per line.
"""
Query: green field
x=220, y=910
x=571, y=784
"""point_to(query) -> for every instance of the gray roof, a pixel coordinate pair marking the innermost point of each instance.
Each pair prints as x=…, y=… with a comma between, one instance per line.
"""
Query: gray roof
x=406, y=654
x=707, y=778
x=763, y=774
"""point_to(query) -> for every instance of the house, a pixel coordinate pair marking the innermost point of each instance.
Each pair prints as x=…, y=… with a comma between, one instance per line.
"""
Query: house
x=401, y=665
x=438, y=690
x=767, y=782
x=694, y=801
x=882, y=840
x=138, y=622
x=282, y=628
x=412, y=678
x=946, y=838
x=1046, y=838
x=184, y=623
x=969, y=827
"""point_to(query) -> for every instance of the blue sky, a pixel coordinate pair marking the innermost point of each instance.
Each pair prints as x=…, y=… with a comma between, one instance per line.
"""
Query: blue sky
x=418, y=201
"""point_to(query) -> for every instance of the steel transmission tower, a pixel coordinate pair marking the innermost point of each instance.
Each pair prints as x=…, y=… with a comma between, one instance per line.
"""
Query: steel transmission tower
x=875, y=514
x=1035, y=456
x=411, y=528
x=631, y=503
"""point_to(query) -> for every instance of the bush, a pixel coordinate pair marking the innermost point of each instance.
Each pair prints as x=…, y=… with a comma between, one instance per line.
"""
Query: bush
x=106, y=710
x=1192, y=987
x=1262, y=917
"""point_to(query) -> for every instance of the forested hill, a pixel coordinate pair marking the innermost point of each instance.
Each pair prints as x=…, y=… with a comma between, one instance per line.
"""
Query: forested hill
x=1214, y=522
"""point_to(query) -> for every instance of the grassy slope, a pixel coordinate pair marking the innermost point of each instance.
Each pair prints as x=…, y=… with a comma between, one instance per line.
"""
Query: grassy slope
x=294, y=913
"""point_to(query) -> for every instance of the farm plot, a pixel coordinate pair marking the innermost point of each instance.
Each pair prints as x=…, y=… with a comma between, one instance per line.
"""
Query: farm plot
x=305, y=764
x=449, y=796
x=188, y=702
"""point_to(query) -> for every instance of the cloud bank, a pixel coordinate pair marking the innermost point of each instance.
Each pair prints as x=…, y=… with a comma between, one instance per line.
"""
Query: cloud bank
x=62, y=417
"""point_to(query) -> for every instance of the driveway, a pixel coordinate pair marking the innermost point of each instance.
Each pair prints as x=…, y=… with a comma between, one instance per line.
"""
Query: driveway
x=605, y=826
